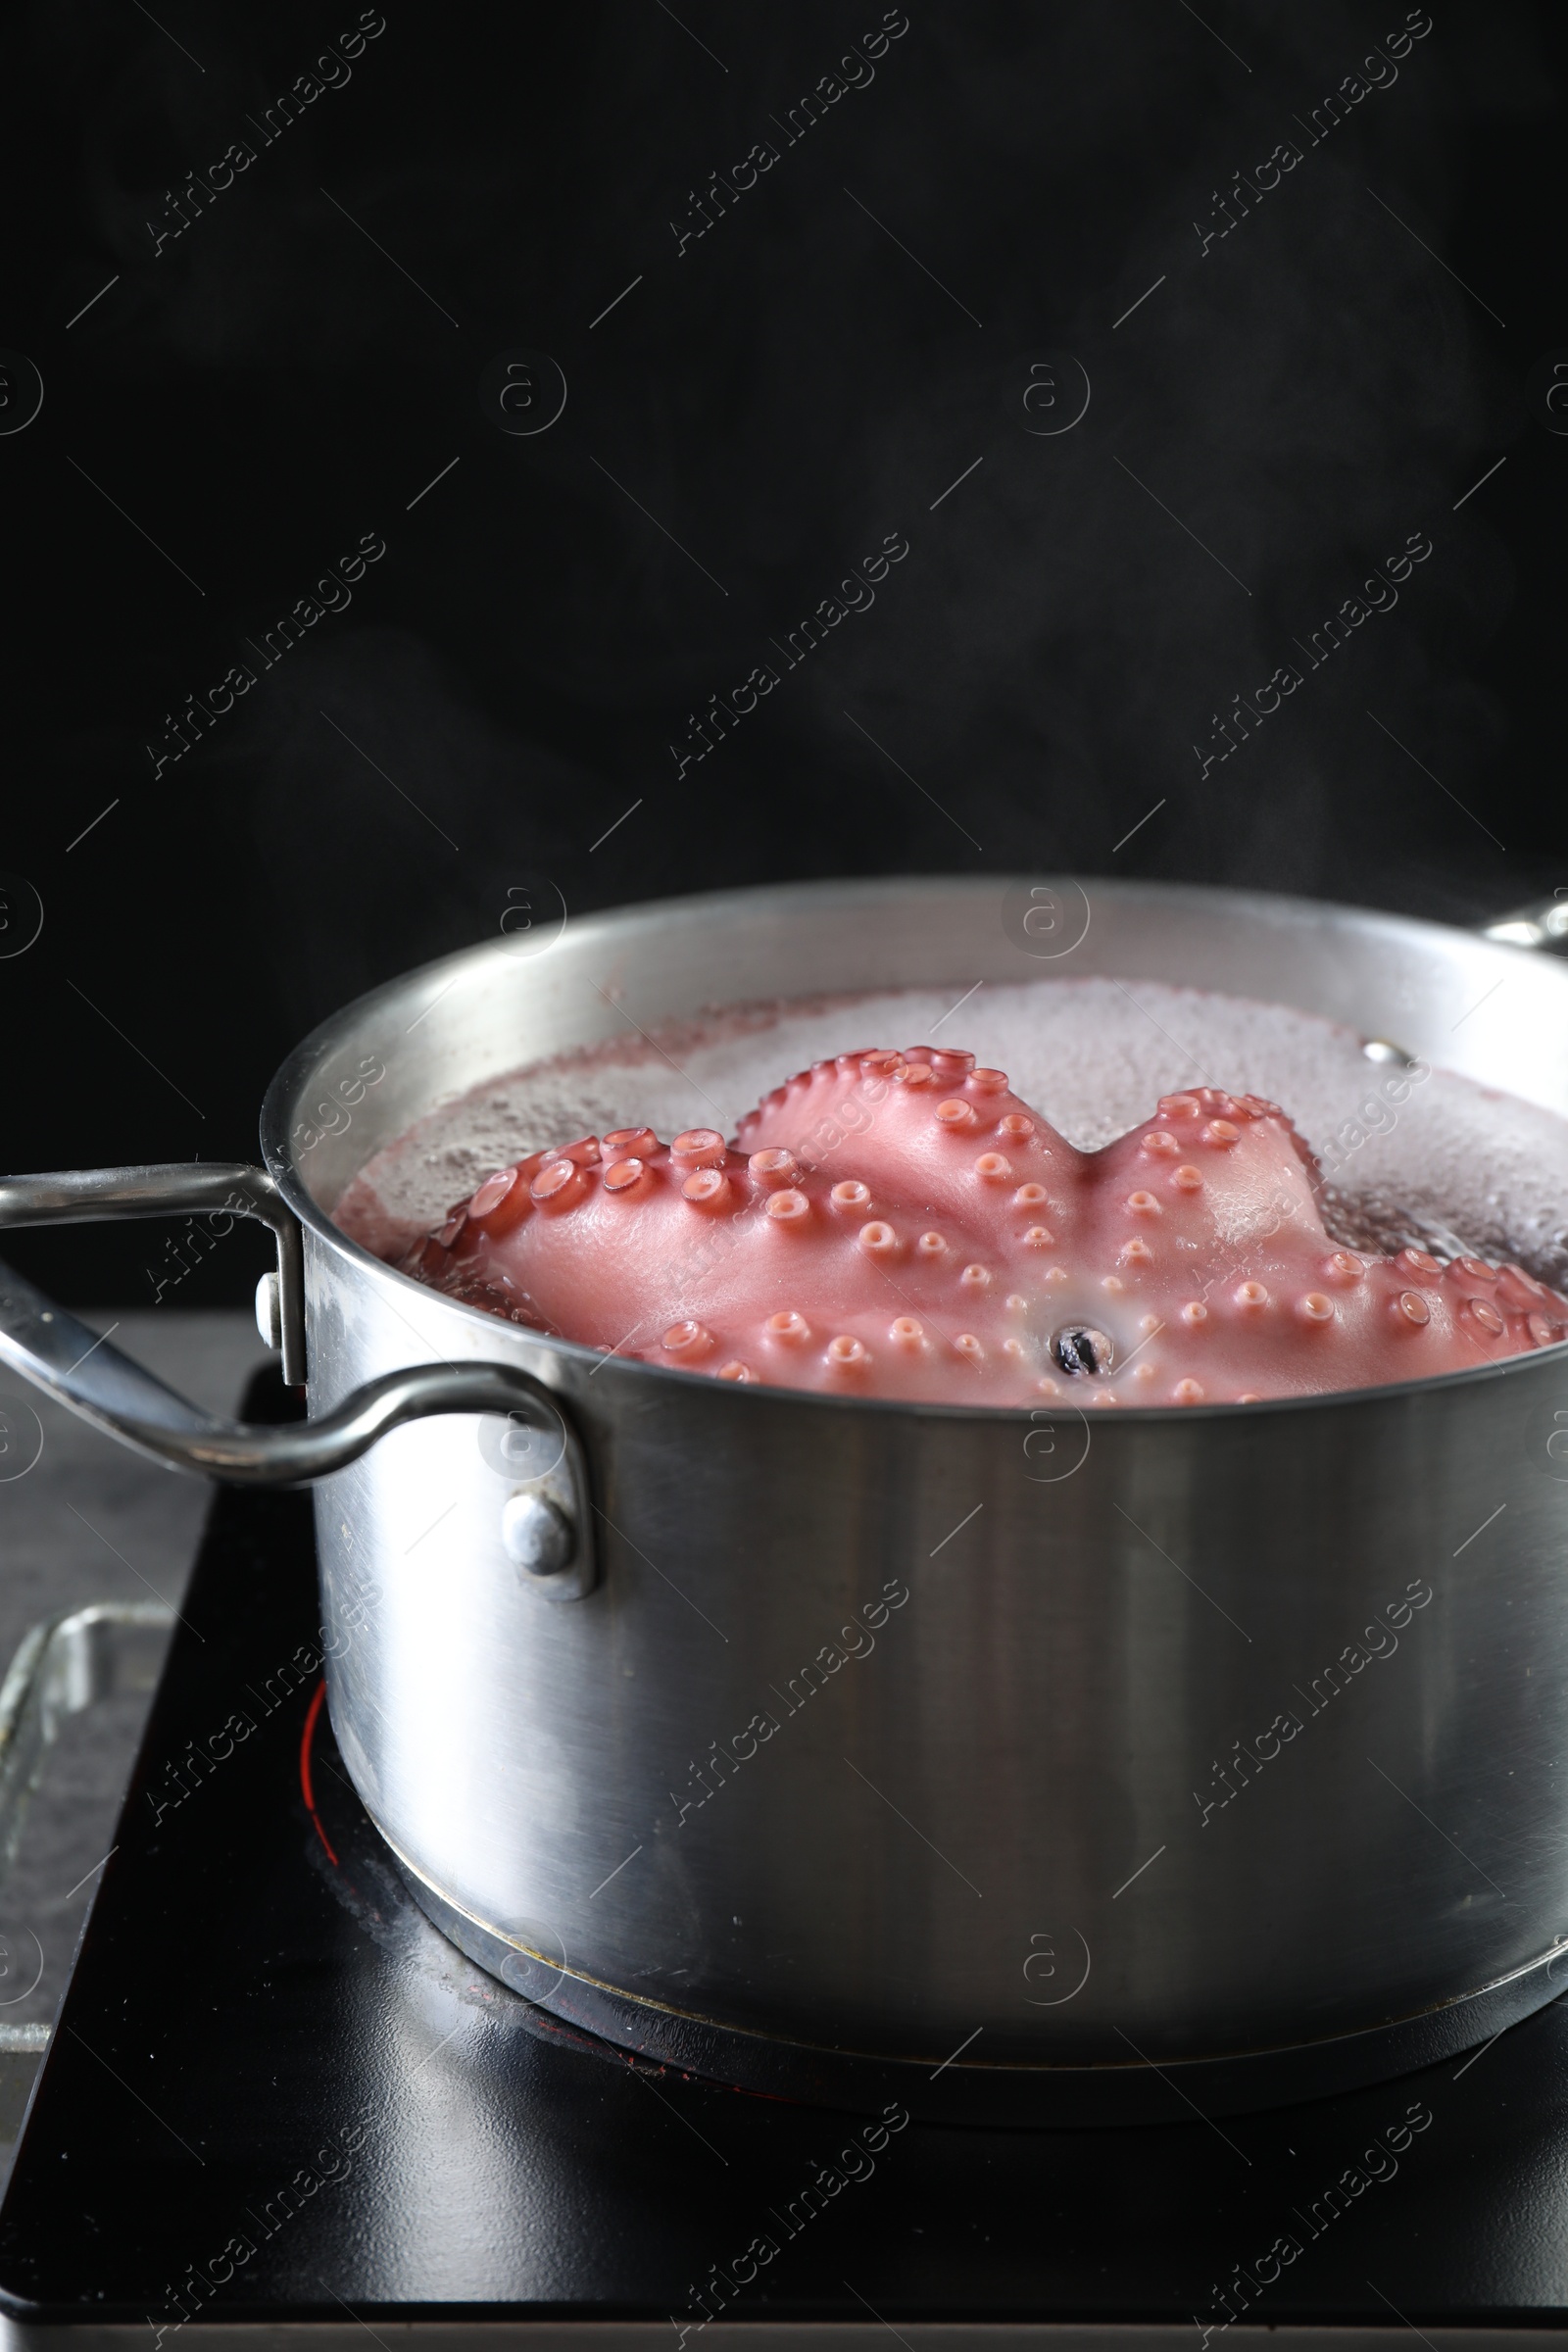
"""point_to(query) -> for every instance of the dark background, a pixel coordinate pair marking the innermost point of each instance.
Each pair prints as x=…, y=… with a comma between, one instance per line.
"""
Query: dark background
x=296, y=368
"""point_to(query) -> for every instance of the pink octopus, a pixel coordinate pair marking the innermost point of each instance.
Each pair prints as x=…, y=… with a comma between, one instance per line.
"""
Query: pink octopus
x=902, y=1225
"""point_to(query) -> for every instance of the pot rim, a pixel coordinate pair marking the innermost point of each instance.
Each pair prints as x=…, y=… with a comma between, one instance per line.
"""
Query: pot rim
x=279, y=1158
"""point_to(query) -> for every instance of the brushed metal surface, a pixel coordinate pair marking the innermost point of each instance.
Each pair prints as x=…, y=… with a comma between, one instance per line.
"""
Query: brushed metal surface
x=1061, y=2095
x=972, y=1829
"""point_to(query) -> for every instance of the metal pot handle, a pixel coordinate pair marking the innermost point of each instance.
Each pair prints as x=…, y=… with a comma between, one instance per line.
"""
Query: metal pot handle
x=61, y=1356
x=1543, y=924
x=91, y=1196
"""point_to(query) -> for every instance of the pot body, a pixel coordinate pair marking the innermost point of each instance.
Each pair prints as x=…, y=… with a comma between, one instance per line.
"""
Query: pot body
x=1070, y=1742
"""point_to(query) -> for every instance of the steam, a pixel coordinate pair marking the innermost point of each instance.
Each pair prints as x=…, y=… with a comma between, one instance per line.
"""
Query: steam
x=1285, y=384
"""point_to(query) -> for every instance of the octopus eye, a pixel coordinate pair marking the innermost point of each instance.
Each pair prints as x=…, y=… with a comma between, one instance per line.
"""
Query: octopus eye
x=1079, y=1347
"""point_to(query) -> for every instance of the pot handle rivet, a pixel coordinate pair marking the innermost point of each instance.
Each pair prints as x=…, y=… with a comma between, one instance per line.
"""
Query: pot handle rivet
x=537, y=1535
x=270, y=1309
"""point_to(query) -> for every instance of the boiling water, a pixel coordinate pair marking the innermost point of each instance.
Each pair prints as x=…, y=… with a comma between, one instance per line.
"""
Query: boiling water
x=1418, y=1156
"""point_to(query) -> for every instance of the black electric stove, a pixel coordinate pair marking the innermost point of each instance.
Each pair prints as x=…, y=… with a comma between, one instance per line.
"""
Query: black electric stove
x=277, y=2094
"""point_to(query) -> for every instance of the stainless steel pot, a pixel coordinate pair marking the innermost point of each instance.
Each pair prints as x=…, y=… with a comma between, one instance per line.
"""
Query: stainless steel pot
x=850, y=1749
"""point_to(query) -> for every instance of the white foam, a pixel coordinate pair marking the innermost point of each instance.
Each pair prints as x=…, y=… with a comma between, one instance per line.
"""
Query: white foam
x=1454, y=1165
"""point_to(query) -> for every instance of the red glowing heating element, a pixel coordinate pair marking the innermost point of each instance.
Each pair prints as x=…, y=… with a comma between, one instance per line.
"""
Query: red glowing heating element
x=900, y=1225
x=307, y=1786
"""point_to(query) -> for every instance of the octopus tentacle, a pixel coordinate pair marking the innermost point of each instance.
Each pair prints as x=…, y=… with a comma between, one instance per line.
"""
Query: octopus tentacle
x=902, y=1225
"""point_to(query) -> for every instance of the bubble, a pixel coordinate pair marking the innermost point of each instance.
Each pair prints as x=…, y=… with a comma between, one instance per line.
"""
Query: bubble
x=522, y=392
